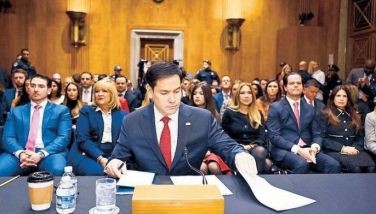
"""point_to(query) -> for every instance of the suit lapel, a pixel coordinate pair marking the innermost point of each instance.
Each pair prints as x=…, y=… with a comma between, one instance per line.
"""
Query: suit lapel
x=26, y=120
x=184, y=131
x=99, y=120
x=291, y=112
x=150, y=132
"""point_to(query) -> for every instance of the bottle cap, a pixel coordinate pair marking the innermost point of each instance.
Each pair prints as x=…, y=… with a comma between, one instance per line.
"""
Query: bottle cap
x=68, y=169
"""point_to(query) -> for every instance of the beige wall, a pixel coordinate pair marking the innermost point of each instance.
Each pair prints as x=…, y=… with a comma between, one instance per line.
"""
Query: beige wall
x=43, y=27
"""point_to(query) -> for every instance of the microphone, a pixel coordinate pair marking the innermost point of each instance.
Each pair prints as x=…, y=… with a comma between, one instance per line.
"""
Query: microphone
x=204, y=181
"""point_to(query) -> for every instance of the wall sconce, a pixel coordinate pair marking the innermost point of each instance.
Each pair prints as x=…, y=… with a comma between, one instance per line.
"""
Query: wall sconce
x=76, y=11
x=235, y=19
x=233, y=33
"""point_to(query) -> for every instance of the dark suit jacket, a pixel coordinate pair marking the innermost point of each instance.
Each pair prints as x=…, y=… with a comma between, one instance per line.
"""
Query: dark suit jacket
x=218, y=98
x=131, y=99
x=354, y=75
x=90, y=127
x=56, y=128
x=198, y=131
x=284, y=131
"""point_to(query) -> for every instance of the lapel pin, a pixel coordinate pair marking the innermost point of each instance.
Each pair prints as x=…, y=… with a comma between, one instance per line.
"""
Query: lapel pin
x=188, y=123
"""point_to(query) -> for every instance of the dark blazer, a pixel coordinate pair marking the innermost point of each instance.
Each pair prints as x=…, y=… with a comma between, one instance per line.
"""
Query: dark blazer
x=218, y=98
x=131, y=99
x=198, y=131
x=89, y=132
x=56, y=128
x=354, y=75
x=283, y=129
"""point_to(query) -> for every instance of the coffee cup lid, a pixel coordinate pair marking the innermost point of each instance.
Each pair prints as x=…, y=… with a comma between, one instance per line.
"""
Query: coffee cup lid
x=38, y=177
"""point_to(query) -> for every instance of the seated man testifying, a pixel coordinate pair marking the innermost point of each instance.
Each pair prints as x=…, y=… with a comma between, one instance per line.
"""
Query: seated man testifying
x=158, y=137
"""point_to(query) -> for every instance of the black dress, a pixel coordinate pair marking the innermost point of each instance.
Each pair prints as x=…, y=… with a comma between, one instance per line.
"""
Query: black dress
x=344, y=134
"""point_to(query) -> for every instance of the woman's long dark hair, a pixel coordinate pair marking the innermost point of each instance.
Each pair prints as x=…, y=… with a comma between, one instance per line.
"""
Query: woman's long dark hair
x=266, y=97
x=209, y=100
x=58, y=92
x=331, y=107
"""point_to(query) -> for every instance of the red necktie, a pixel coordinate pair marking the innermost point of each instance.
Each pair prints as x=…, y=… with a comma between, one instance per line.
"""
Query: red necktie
x=34, y=128
x=165, y=142
x=296, y=112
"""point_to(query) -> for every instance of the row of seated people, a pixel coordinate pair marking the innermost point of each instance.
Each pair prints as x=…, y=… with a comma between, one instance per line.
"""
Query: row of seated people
x=99, y=126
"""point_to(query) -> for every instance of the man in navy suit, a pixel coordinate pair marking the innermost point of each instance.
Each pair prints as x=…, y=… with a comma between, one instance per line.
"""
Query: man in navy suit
x=36, y=135
x=18, y=80
x=191, y=132
x=295, y=133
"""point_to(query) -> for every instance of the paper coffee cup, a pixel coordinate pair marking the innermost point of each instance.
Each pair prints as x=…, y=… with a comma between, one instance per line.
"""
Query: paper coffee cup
x=40, y=190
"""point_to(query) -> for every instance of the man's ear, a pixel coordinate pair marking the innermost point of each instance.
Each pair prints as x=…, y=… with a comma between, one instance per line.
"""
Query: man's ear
x=150, y=91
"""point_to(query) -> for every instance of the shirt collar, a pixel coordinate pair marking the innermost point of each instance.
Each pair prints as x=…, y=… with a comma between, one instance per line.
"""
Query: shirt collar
x=42, y=104
x=291, y=102
x=99, y=109
x=158, y=116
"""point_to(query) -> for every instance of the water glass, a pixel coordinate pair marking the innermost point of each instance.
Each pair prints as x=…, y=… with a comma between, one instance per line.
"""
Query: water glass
x=105, y=194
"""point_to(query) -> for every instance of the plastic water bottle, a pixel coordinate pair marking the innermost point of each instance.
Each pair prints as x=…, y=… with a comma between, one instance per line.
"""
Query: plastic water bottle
x=68, y=171
x=65, y=196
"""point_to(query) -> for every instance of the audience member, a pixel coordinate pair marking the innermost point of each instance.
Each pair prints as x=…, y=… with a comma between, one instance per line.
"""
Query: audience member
x=272, y=94
x=332, y=80
x=24, y=63
x=317, y=74
x=303, y=71
x=36, y=135
x=57, y=77
x=370, y=133
x=18, y=81
x=223, y=98
x=343, y=135
x=87, y=87
x=257, y=90
x=310, y=91
x=294, y=132
x=56, y=95
x=73, y=101
x=128, y=95
x=206, y=73
x=98, y=128
x=244, y=123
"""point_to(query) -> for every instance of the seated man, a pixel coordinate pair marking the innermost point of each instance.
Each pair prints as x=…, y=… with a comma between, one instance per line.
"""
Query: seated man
x=164, y=135
x=36, y=135
x=294, y=131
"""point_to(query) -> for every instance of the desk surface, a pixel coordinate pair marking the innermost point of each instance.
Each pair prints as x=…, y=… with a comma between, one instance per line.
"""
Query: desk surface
x=340, y=193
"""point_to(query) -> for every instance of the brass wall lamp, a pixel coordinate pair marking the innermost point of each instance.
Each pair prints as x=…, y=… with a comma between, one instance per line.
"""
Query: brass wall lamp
x=234, y=19
x=76, y=10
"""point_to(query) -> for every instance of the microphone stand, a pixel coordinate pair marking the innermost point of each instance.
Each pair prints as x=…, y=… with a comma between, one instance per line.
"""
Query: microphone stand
x=204, y=181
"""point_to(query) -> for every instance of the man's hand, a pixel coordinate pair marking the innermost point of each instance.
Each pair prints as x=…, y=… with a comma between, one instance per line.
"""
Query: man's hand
x=245, y=163
x=114, y=168
x=306, y=154
x=29, y=159
x=103, y=162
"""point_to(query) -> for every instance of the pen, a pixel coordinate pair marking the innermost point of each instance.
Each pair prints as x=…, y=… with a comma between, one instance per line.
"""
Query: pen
x=121, y=166
x=10, y=180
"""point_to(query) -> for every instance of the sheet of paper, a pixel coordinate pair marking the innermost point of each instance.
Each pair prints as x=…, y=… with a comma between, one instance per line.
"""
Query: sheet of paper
x=273, y=197
x=132, y=178
x=197, y=180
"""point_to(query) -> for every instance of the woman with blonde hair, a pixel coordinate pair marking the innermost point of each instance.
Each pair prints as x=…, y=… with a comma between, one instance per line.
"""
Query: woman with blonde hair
x=243, y=122
x=317, y=74
x=98, y=128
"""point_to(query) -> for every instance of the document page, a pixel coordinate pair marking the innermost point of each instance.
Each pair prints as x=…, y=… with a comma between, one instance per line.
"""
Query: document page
x=273, y=197
x=132, y=178
x=197, y=180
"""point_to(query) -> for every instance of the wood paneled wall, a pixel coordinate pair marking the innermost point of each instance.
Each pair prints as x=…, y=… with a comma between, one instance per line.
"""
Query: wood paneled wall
x=43, y=27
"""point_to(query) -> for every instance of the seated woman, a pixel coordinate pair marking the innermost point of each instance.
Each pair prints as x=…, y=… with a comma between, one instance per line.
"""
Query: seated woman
x=98, y=128
x=201, y=97
x=56, y=96
x=73, y=100
x=244, y=123
x=271, y=95
x=343, y=138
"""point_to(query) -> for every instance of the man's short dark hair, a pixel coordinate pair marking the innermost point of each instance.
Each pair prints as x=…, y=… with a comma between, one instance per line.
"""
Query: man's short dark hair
x=312, y=83
x=21, y=71
x=24, y=49
x=87, y=72
x=286, y=77
x=49, y=82
x=162, y=70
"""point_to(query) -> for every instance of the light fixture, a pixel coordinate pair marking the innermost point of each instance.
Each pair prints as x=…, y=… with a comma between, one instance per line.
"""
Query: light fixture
x=234, y=19
x=76, y=10
x=233, y=33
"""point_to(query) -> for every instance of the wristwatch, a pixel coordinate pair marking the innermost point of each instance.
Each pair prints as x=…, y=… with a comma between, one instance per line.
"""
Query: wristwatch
x=41, y=154
x=99, y=158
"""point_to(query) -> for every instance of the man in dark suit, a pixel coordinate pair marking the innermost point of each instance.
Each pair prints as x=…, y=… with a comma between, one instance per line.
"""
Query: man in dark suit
x=294, y=132
x=36, y=135
x=18, y=80
x=157, y=138
x=121, y=86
